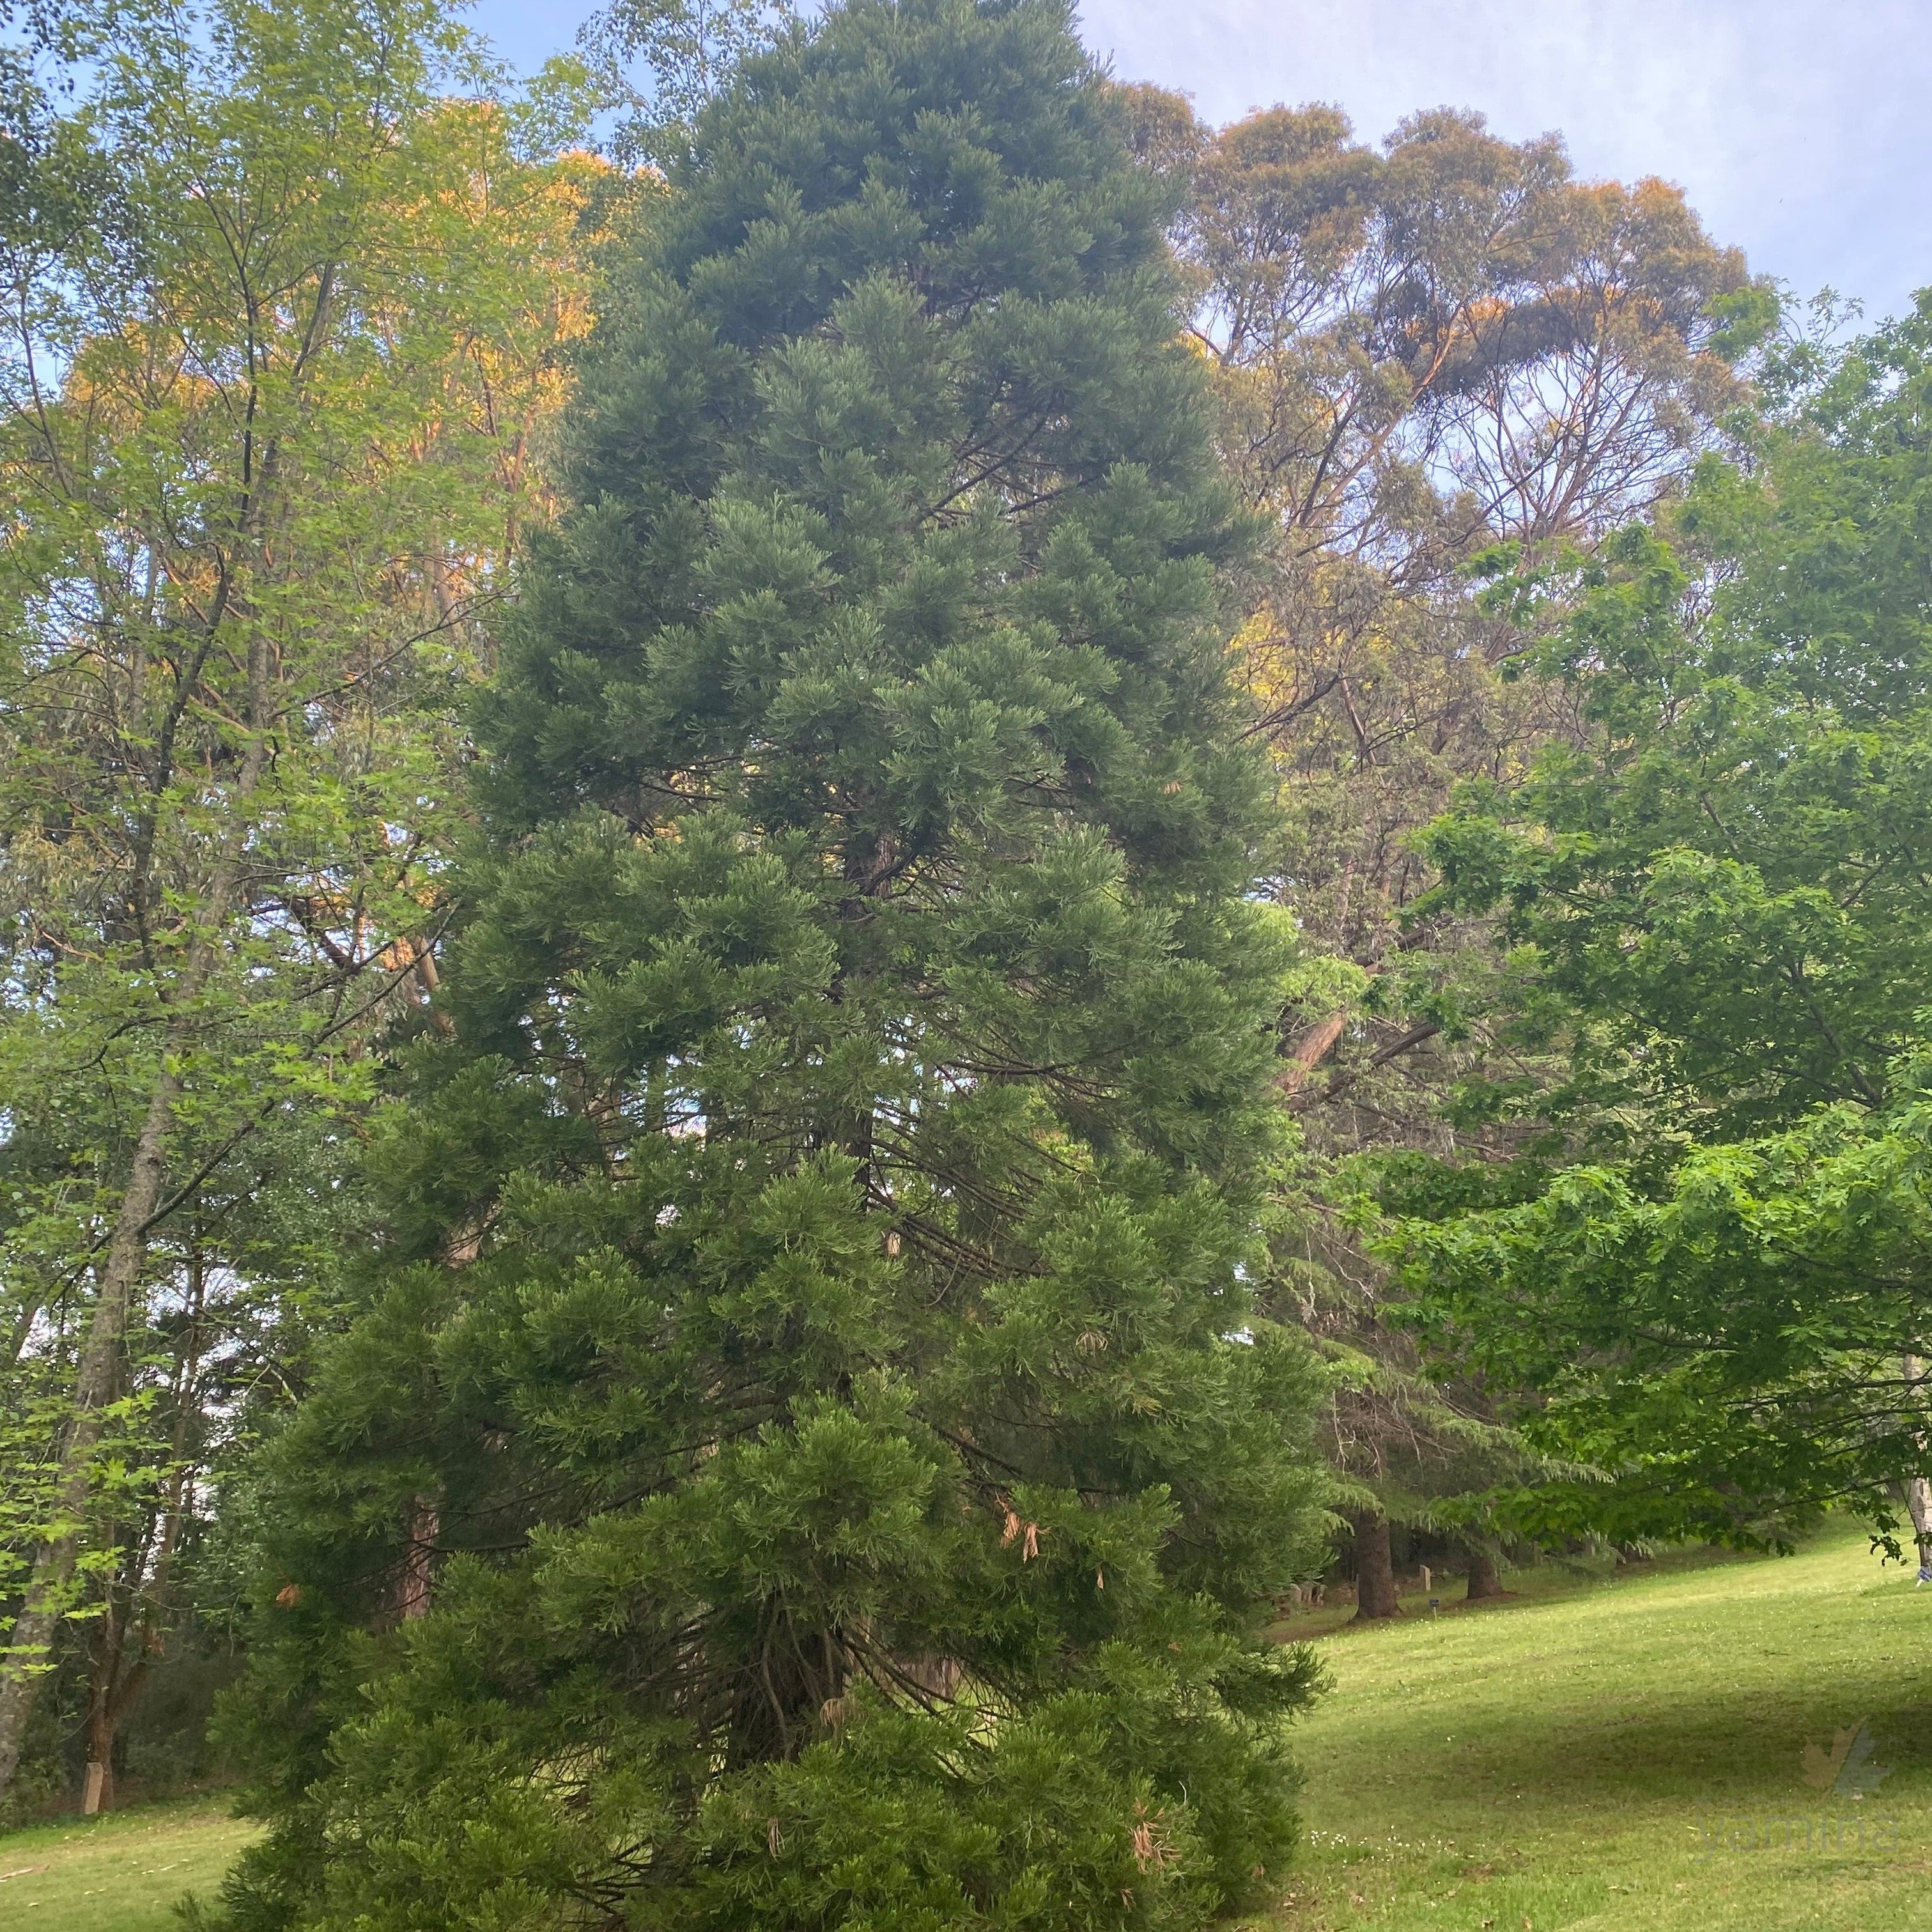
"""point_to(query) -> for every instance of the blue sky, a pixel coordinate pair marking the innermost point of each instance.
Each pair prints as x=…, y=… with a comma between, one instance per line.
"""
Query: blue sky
x=1802, y=129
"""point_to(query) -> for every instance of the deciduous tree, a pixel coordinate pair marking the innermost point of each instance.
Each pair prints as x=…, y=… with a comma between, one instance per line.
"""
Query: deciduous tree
x=1445, y=350
x=1722, y=886
x=282, y=326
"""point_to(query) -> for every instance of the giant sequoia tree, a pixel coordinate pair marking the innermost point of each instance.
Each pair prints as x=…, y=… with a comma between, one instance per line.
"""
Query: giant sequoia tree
x=810, y=1458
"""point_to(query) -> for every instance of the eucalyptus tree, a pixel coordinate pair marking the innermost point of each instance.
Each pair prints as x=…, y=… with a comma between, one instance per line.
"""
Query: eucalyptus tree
x=1435, y=359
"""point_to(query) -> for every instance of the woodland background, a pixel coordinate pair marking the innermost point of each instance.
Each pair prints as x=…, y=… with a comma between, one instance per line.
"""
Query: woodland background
x=1582, y=621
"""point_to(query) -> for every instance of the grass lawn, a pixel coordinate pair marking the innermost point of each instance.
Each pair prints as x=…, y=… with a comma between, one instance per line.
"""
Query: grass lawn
x=119, y=1874
x=1629, y=1753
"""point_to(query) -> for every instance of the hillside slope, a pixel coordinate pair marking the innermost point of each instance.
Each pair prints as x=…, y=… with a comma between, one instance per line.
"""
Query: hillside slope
x=1633, y=1753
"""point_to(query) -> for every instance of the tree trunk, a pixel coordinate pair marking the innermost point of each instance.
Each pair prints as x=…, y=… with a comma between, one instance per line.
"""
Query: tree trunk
x=45, y=1601
x=414, y=1579
x=1918, y=1502
x=111, y=1693
x=97, y=1790
x=1917, y=1490
x=23, y=1330
x=1375, y=1573
x=1484, y=1580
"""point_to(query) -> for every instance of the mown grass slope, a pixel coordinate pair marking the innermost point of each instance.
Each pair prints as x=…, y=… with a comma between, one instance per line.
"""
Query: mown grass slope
x=1631, y=1753
x=1623, y=1753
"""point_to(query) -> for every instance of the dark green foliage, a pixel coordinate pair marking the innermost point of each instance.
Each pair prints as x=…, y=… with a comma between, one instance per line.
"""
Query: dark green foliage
x=1725, y=890
x=816, y=1354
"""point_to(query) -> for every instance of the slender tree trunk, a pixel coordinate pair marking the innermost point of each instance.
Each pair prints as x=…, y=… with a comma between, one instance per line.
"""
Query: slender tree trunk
x=45, y=1599
x=1484, y=1580
x=23, y=1329
x=115, y=1693
x=1374, y=1572
x=112, y=1693
x=1918, y=1502
x=1917, y=1490
x=97, y=1788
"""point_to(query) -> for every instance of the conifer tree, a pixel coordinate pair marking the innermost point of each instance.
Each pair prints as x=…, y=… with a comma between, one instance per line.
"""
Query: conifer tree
x=810, y=1457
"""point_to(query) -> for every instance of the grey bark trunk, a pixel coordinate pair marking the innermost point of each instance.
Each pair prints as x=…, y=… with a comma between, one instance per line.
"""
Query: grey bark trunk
x=112, y=1693
x=23, y=1663
x=46, y=1598
x=1918, y=1502
x=1375, y=1571
x=1918, y=1490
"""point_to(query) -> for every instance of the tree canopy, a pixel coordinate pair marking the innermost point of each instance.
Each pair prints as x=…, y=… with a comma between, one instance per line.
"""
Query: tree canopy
x=840, y=882
x=283, y=321
x=1719, y=894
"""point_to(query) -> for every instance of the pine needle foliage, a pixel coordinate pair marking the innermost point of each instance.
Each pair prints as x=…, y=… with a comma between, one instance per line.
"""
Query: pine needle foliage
x=811, y=1459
